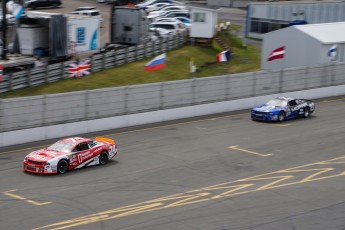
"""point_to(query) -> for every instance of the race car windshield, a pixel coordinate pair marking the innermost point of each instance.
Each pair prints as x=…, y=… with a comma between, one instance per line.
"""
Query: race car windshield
x=277, y=103
x=61, y=146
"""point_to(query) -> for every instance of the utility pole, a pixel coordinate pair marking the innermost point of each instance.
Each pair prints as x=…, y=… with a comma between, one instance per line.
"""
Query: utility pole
x=4, y=30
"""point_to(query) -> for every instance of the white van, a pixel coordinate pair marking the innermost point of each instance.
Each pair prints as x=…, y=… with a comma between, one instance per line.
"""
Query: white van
x=174, y=27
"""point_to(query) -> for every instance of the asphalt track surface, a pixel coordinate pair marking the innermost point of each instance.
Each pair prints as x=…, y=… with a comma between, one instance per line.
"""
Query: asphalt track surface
x=212, y=173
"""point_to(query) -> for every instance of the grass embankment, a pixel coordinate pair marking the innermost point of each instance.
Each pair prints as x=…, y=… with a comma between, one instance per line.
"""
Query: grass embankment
x=243, y=60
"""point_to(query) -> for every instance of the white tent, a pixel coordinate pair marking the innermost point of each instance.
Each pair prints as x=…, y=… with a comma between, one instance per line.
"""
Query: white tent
x=303, y=45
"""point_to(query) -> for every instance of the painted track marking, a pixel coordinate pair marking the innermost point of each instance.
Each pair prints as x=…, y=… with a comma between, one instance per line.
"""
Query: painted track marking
x=282, y=178
x=248, y=151
x=10, y=194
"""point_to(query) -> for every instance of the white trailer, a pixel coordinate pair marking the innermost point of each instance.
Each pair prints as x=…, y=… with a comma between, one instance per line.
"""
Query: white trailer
x=83, y=33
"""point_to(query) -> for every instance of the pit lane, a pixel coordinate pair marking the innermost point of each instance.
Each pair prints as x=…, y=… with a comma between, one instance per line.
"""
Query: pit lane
x=219, y=172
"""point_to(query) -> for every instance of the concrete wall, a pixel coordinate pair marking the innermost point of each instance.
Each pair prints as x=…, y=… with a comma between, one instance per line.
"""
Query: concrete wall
x=54, y=109
x=76, y=128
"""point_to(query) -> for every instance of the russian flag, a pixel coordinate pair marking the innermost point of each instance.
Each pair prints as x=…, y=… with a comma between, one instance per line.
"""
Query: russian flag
x=156, y=63
x=223, y=56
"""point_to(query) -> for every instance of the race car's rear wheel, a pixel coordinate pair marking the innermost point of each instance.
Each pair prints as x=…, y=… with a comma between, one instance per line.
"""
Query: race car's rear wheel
x=103, y=158
x=281, y=116
x=62, y=166
x=306, y=112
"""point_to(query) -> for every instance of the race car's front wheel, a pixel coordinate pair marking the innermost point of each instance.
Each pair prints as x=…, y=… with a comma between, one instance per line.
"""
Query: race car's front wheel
x=62, y=166
x=306, y=112
x=103, y=158
x=281, y=116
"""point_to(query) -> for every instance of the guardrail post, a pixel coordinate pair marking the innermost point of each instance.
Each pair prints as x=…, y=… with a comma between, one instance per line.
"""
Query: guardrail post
x=87, y=104
x=193, y=91
x=125, y=105
x=46, y=74
x=126, y=55
x=103, y=60
x=281, y=75
x=227, y=87
x=306, y=77
x=254, y=85
x=62, y=70
x=10, y=78
x=161, y=96
x=176, y=43
x=332, y=74
x=28, y=77
x=44, y=110
x=1, y=113
x=115, y=57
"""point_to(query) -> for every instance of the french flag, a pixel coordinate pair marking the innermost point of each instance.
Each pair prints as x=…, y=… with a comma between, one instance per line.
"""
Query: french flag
x=277, y=54
x=223, y=56
x=156, y=63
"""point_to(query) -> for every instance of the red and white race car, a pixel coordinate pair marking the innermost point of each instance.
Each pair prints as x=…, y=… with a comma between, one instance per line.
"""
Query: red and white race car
x=70, y=153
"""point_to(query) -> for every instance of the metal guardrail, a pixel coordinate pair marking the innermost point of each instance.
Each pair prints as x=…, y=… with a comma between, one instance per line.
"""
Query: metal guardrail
x=28, y=112
x=105, y=60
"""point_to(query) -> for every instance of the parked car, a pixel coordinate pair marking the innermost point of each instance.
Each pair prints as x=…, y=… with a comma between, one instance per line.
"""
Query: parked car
x=121, y=2
x=185, y=21
x=143, y=5
x=176, y=14
x=159, y=33
x=174, y=27
x=70, y=153
x=33, y=4
x=166, y=9
x=157, y=6
x=283, y=108
x=83, y=8
x=167, y=20
x=163, y=14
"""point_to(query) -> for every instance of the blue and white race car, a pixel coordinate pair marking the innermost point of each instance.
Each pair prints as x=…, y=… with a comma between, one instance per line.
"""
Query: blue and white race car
x=283, y=108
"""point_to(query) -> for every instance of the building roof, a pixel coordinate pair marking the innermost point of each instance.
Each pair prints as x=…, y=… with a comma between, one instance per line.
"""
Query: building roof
x=325, y=32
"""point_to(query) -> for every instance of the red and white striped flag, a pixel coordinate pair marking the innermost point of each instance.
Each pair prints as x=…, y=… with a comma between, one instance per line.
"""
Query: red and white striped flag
x=277, y=54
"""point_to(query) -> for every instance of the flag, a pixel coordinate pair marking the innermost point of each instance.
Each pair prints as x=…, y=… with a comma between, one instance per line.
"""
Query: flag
x=79, y=69
x=18, y=11
x=277, y=54
x=156, y=63
x=1, y=72
x=332, y=52
x=223, y=56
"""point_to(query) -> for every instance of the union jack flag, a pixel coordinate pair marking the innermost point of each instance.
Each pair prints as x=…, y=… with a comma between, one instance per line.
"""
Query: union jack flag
x=79, y=69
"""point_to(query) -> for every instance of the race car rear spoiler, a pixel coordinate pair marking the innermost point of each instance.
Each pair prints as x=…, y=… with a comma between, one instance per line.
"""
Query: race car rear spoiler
x=105, y=139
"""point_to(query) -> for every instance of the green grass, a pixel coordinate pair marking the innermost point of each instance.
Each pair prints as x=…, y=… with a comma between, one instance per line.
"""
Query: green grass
x=243, y=60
